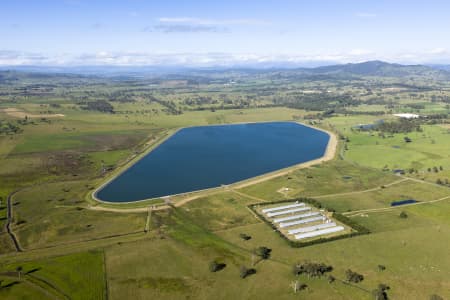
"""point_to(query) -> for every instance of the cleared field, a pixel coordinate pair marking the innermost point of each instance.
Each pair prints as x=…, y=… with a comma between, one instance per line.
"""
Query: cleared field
x=54, y=213
x=17, y=113
x=382, y=197
x=328, y=178
x=181, y=270
x=83, y=252
x=78, y=275
x=427, y=149
x=411, y=254
x=220, y=211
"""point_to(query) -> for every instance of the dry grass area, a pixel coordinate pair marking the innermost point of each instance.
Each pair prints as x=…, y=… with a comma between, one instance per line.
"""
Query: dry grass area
x=18, y=113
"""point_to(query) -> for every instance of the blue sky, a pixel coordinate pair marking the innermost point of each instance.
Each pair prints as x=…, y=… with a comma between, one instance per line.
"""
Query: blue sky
x=203, y=33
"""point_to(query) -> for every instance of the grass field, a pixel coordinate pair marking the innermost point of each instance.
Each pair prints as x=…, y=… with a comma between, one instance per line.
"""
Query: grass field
x=79, y=275
x=90, y=254
x=382, y=197
x=329, y=178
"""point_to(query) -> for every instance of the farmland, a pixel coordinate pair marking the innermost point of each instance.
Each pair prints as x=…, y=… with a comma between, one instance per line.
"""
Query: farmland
x=72, y=246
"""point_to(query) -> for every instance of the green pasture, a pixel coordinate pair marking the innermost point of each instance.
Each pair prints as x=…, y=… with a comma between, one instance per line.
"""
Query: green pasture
x=79, y=275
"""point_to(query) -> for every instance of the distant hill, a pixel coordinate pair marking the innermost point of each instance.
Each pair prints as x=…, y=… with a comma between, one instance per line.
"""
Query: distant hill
x=441, y=67
x=337, y=71
x=42, y=76
x=383, y=69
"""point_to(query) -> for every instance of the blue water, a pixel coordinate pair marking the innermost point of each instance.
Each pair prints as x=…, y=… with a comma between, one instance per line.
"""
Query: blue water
x=403, y=202
x=197, y=158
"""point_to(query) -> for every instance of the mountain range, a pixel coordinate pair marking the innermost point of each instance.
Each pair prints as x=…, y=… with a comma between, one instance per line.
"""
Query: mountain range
x=369, y=68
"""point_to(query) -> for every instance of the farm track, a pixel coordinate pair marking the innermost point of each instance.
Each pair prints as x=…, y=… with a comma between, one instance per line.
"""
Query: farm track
x=9, y=221
x=363, y=191
x=248, y=196
x=358, y=212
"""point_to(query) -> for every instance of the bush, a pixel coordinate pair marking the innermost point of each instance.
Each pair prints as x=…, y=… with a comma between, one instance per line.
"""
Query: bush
x=263, y=252
x=403, y=215
x=244, y=272
x=353, y=276
x=244, y=236
x=215, y=266
x=312, y=269
x=381, y=292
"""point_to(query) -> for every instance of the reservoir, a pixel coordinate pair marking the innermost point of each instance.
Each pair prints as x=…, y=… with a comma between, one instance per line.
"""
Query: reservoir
x=197, y=158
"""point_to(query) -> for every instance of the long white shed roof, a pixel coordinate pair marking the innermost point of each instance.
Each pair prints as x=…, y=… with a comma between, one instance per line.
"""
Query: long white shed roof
x=311, y=228
x=284, y=212
x=303, y=221
x=318, y=232
x=310, y=214
x=266, y=210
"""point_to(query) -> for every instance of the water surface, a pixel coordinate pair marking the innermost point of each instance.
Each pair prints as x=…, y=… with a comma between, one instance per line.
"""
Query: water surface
x=203, y=157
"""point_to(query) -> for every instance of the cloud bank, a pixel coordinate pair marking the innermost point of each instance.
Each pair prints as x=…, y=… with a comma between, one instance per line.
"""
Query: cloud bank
x=17, y=58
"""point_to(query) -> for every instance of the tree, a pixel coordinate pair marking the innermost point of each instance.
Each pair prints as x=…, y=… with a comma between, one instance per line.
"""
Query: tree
x=403, y=215
x=99, y=105
x=380, y=293
x=381, y=267
x=215, y=266
x=311, y=269
x=353, y=276
x=244, y=236
x=244, y=271
x=19, y=271
x=263, y=252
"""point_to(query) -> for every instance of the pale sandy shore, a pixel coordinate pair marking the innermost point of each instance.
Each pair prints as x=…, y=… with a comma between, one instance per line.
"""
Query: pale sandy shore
x=329, y=155
x=18, y=113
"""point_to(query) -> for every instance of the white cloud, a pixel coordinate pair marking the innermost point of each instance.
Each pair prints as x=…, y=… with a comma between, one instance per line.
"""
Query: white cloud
x=184, y=28
x=15, y=58
x=438, y=51
x=201, y=21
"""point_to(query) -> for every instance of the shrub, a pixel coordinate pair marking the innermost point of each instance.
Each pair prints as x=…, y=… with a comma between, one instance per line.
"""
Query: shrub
x=353, y=276
x=244, y=236
x=244, y=271
x=311, y=269
x=263, y=252
x=381, y=267
x=380, y=293
x=215, y=266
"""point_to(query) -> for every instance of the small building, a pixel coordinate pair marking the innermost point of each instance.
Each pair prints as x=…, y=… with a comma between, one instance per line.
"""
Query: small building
x=407, y=116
